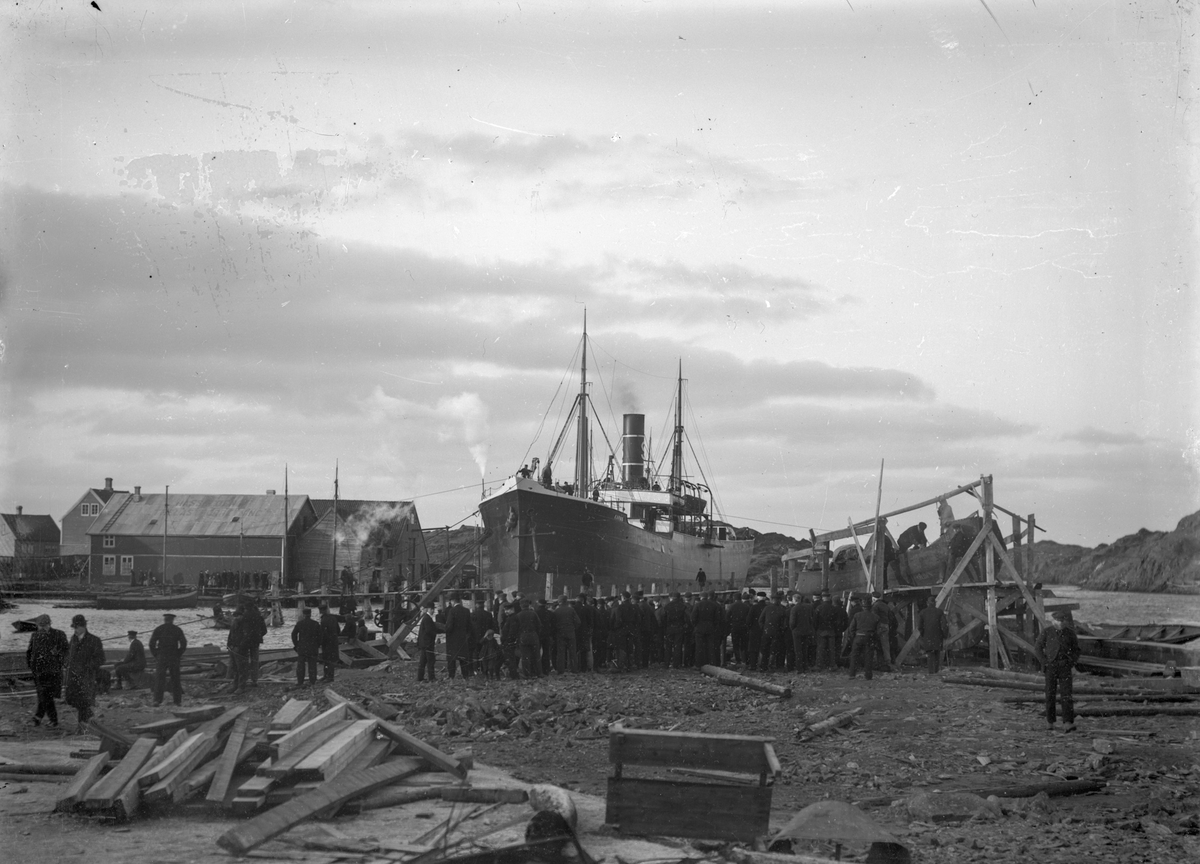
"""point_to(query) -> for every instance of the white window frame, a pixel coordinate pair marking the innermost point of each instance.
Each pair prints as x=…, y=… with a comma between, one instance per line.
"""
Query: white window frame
x=110, y=565
x=85, y=509
x=95, y=510
x=110, y=542
x=126, y=565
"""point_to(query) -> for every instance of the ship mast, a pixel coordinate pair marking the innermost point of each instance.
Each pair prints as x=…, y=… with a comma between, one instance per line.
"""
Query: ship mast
x=582, y=480
x=677, y=447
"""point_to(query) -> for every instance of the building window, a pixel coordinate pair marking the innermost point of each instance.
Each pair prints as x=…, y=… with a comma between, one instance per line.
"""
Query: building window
x=110, y=565
x=95, y=509
x=390, y=552
x=110, y=542
x=126, y=565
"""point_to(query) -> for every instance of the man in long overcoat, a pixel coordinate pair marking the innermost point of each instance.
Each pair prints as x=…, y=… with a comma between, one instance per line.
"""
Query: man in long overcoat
x=85, y=656
x=458, y=638
x=306, y=639
x=329, y=643
x=45, y=656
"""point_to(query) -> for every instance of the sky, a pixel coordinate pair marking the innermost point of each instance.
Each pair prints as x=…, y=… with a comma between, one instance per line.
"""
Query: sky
x=948, y=237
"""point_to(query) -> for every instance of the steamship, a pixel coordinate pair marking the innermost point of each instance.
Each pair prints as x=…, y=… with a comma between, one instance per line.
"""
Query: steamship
x=633, y=528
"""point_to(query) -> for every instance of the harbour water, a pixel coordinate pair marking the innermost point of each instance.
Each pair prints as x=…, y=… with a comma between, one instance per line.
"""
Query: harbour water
x=1127, y=607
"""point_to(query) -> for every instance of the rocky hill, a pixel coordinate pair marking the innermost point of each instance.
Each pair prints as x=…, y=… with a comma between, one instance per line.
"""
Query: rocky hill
x=1153, y=561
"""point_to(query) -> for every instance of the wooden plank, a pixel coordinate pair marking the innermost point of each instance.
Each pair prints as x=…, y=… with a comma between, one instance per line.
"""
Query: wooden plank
x=372, y=755
x=249, y=835
x=961, y=567
x=84, y=779
x=280, y=768
x=681, y=809
x=199, y=713
x=292, y=714
x=219, y=724
x=162, y=753
x=228, y=761
x=328, y=759
x=477, y=795
x=160, y=728
x=111, y=741
x=125, y=805
x=203, y=776
x=369, y=650
x=409, y=743
x=740, y=753
x=861, y=527
x=102, y=794
x=167, y=787
x=172, y=761
x=296, y=738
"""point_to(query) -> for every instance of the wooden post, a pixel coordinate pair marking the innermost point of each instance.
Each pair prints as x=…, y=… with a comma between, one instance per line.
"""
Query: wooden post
x=1027, y=572
x=995, y=649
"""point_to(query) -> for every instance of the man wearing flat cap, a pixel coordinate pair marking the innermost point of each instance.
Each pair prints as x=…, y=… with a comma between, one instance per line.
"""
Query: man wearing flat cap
x=85, y=656
x=45, y=656
x=167, y=644
x=135, y=661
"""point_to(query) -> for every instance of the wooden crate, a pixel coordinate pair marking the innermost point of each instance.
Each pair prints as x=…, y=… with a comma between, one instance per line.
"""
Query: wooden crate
x=711, y=810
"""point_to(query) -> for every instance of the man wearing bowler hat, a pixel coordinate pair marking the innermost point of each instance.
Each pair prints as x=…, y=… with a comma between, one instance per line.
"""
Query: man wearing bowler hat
x=45, y=656
x=167, y=644
x=85, y=656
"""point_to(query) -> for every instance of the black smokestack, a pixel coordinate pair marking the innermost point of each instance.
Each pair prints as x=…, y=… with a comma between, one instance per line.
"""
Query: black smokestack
x=632, y=461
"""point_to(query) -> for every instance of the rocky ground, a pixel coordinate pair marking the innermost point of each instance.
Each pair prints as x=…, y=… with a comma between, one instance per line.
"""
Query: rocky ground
x=915, y=733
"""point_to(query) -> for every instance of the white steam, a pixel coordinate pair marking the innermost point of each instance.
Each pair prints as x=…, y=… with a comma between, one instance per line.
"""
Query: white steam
x=472, y=415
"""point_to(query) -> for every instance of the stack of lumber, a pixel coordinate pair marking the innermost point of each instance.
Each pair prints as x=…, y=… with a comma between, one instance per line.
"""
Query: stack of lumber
x=213, y=753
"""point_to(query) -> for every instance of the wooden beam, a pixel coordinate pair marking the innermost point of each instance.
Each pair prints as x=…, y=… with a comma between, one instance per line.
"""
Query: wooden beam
x=203, y=776
x=1007, y=565
x=293, y=713
x=159, y=728
x=166, y=788
x=103, y=794
x=228, y=761
x=161, y=753
x=111, y=741
x=84, y=779
x=253, y=833
x=284, y=766
x=328, y=759
x=290, y=742
x=200, y=713
x=219, y=724
x=961, y=566
x=374, y=753
x=725, y=676
x=169, y=763
x=408, y=743
x=862, y=560
x=843, y=534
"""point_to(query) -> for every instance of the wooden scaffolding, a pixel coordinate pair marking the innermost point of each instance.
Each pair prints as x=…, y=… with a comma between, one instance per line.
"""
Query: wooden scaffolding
x=1004, y=587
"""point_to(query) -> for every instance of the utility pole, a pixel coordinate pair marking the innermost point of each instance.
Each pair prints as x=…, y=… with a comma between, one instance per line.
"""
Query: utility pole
x=333, y=564
x=166, y=511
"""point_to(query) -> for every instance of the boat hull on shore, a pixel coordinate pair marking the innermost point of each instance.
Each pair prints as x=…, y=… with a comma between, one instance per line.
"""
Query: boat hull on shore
x=147, y=601
x=544, y=539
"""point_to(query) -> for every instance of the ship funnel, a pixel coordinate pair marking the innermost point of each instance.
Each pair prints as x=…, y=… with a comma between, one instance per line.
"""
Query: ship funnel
x=632, y=461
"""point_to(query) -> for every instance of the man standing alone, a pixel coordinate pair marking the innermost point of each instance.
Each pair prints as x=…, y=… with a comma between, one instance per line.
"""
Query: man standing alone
x=167, y=644
x=45, y=656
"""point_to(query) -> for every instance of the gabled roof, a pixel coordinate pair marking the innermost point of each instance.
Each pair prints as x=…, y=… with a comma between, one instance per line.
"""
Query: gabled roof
x=105, y=494
x=349, y=508
x=199, y=515
x=38, y=529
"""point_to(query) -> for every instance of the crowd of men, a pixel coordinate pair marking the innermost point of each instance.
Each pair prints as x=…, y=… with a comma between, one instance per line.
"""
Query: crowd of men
x=522, y=637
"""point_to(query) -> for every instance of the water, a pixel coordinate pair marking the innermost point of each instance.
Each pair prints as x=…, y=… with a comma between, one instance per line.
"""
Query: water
x=111, y=625
x=1125, y=607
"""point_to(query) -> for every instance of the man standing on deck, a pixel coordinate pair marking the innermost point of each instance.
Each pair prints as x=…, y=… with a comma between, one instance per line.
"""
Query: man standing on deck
x=45, y=656
x=167, y=644
x=701, y=578
x=135, y=661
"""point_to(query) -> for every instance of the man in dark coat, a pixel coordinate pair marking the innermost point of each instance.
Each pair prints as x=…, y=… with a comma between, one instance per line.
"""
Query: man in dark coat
x=458, y=638
x=863, y=630
x=566, y=624
x=754, y=631
x=804, y=633
x=825, y=619
x=1057, y=649
x=135, y=661
x=674, y=616
x=601, y=627
x=85, y=656
x=167, y=644
x=647, y=627
x=625, y=621
x=706, y=621
x=529, y=640
x=482, y=620
x=427, y=631
x=883, y=611
x=306, y=639
x=256, y=629
x=546, y=635
x=702, y=578
x=329, y=643
x=510, y=641
x=912, y=537
x=236, y=643
x=773, y=621
x=739, y=614
x=934, y=628
x=587, y=627
x=45, y=656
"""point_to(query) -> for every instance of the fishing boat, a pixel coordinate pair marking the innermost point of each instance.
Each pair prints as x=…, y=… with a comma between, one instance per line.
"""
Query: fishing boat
x=635, y=526
x=27, y=625
x=140, y=600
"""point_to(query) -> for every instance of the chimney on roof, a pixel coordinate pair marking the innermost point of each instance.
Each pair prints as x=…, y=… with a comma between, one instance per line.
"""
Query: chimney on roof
x=108, y=484
x=137, y=493
x=19, y=509
x=270, y=491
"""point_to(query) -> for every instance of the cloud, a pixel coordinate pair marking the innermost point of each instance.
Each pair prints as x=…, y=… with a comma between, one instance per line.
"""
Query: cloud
x=1102, y=437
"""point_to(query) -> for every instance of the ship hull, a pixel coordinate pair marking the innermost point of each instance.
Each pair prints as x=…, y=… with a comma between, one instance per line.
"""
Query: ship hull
x=544, y=541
